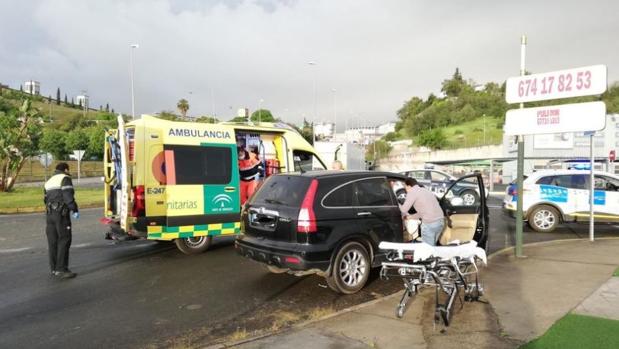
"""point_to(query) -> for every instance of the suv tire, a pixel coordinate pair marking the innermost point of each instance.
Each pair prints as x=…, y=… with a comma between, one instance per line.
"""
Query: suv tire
x=543, y=219
x=350, y=269
x=194, y=245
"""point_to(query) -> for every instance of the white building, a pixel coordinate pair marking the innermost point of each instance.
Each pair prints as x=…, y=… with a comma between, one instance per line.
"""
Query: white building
x=385, y=128
x=32, y=87
x=82, y=100
x=324, y=130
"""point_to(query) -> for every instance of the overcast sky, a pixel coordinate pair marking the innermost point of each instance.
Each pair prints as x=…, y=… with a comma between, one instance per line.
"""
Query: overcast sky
x=225, y=55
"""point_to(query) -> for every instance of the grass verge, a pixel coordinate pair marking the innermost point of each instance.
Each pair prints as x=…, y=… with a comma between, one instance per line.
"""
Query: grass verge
x=578, y=331
x=30, y=199
x=616, y=273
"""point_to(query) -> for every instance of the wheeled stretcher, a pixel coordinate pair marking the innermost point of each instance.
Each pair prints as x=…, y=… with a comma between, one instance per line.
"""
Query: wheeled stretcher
x=449, y=269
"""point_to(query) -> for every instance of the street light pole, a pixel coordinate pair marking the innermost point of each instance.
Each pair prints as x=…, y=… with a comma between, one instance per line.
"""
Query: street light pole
x=334, y=111
x=315, y=116
x=133, y=46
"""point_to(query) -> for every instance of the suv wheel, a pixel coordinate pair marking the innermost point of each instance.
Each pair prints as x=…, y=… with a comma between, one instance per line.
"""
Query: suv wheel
x=350, y=269
x=543, y=219
x=469, y=197
x=194, y=245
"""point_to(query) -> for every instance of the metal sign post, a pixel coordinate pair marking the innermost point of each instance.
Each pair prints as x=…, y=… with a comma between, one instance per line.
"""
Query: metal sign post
x=78, y=155
x=591, y=190
x=583, y=81
x=520, y=165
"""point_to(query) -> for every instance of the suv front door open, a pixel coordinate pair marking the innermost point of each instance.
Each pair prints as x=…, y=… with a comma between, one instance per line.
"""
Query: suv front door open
x=465, y=222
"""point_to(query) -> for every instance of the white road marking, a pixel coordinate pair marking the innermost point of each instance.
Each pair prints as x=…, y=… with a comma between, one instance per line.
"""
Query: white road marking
x=495, y=206
x=82, y=245
x=15, y=250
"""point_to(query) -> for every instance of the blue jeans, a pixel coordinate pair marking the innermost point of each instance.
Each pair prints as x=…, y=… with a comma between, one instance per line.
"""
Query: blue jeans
x=430, y=231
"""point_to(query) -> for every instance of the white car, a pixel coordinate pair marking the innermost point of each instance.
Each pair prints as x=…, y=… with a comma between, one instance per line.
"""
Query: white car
x=555, y=196
x=438, y=182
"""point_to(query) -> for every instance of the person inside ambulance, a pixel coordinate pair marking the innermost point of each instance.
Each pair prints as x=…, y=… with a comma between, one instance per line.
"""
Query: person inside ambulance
x=250, y=169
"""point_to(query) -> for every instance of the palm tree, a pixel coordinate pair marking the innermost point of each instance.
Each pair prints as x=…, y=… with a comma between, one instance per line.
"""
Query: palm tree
x=183, y=106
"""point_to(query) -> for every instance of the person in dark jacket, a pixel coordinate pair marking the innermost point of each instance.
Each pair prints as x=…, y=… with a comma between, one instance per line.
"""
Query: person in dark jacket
x=60, y=205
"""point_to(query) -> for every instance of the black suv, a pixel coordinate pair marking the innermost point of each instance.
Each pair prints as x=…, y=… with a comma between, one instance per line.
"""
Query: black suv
x=331, y=222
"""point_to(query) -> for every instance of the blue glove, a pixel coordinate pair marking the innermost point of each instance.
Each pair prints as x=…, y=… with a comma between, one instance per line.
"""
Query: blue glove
x=76, y=215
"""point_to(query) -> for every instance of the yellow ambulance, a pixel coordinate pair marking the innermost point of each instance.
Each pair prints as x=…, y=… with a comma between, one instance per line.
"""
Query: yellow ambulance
x=186, y=182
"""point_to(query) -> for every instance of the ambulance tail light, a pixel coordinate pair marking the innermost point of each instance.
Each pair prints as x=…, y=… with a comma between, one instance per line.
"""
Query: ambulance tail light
x=306, y=222
x=139, y=201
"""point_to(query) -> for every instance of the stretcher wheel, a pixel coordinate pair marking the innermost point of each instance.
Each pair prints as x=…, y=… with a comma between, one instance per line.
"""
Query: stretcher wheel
x=399, y=311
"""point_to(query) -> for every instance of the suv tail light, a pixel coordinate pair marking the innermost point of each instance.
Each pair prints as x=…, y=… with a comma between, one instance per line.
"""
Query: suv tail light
x=138, y=201
x=306, y=222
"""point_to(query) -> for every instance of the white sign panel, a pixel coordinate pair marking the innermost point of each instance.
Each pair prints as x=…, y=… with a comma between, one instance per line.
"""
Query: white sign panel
x=577, y=117
x=568, y=83
x=554, y=141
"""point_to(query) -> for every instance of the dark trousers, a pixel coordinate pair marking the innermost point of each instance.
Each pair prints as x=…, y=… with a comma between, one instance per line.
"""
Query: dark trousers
x=58, y=230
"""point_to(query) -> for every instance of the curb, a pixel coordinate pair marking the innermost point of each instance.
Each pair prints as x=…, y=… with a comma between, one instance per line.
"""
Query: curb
x=304, y=323
x=374, y=301
x=38, y=209
x=531, y=244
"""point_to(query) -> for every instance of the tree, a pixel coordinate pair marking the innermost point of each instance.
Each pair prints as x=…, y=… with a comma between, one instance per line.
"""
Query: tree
x=58, y=96
x=53, y=142
x=238, y=119
x=434, y=139
x=183, y=107
x=262, y=115
x=390, y=137
x=20, y=132
x=107, y=107
x=453, y=86
x=307, y=131
x=76, y=140
x=96, y=136
x=21, y=88
x=65, y=99
x=377, y=150
x=207, y=119
x=168, y=115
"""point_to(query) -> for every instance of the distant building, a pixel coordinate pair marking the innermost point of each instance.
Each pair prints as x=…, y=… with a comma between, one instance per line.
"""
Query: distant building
x=82, y=100
x=383, y=129
x=32, y=87
x=243, y=112
x=324, y=130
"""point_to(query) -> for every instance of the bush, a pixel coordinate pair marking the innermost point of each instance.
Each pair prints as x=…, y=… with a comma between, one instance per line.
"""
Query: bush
x=434, y=139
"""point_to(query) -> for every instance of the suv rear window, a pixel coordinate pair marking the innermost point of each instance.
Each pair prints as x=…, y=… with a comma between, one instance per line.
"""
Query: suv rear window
x=282, y=190
x=374, y=192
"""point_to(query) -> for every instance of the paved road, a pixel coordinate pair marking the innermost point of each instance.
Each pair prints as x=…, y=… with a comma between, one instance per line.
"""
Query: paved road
x=139, y=293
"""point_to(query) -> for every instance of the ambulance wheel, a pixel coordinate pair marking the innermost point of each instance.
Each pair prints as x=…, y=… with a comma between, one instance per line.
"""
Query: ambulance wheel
x=194, y=245
x=543, y=219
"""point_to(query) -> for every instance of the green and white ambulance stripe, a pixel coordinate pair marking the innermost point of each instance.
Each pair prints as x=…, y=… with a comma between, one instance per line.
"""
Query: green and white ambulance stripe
x=168, y=233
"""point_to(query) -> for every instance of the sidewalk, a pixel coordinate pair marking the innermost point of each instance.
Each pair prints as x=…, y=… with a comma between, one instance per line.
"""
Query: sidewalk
x=526, y=295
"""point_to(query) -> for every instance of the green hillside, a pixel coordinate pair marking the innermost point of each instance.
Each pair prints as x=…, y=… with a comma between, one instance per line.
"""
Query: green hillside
x=471, y=133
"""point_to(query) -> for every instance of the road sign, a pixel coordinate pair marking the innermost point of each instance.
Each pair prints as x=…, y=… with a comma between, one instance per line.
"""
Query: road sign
x=611, y=156
x=78, y=154
x=577, y=117
x=585, y=81
x=46, y=159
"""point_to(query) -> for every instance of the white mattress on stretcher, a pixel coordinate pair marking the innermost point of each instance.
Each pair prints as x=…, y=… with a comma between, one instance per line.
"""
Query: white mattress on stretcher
x=422, y=251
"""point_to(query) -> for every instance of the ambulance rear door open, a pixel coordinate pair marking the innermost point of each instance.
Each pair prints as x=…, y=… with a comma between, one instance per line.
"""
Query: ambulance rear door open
x=202, y=195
